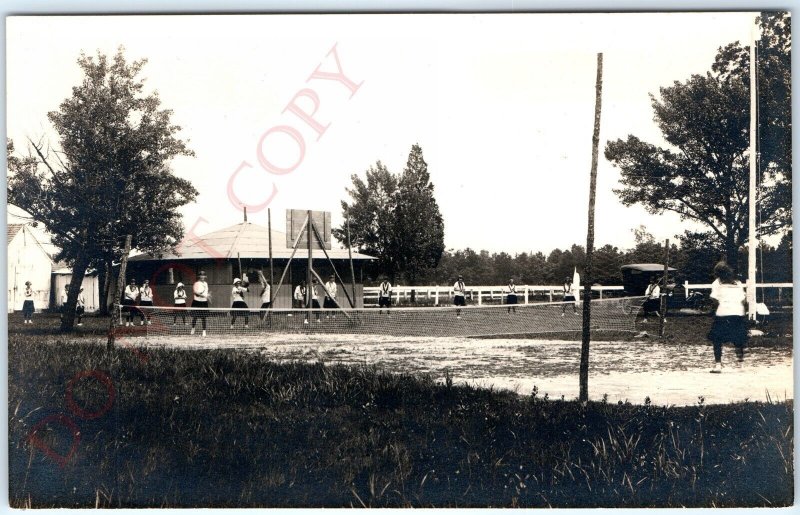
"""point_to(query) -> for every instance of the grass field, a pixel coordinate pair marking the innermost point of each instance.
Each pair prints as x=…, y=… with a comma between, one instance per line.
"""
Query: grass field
x=224, y=427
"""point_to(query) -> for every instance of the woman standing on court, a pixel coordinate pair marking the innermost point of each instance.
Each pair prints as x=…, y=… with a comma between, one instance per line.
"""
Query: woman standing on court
x=653, y=302
x=237, y=298
x=570, y=295
x=511, y=297
x=146, y=301
x=129, y=298
x=730, y=324
x=179, y=296
x=200, y=301
x=459, y=295
x=266, y=295
x=27, y=304
x=384, y=295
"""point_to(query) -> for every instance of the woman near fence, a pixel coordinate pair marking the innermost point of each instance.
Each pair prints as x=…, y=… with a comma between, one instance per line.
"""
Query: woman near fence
x=27, y=305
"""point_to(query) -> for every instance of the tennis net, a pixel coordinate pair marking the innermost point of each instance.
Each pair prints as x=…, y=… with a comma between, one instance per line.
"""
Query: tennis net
x=615, y=314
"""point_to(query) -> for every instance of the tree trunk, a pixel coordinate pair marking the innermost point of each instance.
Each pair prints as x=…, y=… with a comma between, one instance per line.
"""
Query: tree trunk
x=68, y=313
x=732, y=252
x=105, y=296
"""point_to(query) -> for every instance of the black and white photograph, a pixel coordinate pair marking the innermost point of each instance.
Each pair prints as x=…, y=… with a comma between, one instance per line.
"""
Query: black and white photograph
x=400, y=260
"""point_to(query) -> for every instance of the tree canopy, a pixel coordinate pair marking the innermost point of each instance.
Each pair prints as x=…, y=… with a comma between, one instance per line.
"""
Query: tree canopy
x=703, y=174
x=110, y=175
x=396, y=219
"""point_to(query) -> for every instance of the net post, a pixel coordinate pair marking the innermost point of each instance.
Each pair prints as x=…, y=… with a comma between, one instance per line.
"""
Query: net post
x=309, y=284
x=663, y=299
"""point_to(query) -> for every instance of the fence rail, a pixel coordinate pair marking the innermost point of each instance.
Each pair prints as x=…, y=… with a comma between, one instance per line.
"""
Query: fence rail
x=478, y=294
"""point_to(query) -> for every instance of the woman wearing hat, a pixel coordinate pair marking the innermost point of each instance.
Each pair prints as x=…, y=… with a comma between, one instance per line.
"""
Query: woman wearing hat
x=129, y=298
x=146, y=301
x=200, y=300
x=27, y=305
x=237, y=296
x=180, y=303
x=730, y=323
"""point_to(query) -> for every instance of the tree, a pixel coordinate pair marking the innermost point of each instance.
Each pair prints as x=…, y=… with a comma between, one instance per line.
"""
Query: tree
x=371, y=213
x=396, y=219
x=774, y=109
x=420, y=226
x=703, y=176
x=111, y=175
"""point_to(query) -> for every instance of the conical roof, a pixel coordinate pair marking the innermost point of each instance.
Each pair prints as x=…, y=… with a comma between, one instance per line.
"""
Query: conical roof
x=246, y=240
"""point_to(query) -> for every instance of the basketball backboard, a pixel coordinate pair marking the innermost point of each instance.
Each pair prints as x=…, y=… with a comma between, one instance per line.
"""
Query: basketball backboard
x=294, y=225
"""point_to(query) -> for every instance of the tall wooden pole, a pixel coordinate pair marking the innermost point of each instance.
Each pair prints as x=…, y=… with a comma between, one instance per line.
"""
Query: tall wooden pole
x=269, y=239
x=663, y=301
x=587, y=270
x=350, y=253
x=751, y=219
x=120, y=286
x=308, y=272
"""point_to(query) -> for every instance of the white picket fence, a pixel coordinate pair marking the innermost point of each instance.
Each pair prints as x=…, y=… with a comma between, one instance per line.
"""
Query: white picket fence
x=477, y=294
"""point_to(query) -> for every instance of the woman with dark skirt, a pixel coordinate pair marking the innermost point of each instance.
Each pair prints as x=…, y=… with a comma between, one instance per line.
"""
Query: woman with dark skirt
x=200, y=300
x=730, y=323
x=237, y=298
x=511, y=295
x=129, y=298
x=27, y=305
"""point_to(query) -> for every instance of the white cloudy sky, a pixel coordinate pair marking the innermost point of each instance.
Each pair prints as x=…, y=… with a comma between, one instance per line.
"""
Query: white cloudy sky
x=502, y=106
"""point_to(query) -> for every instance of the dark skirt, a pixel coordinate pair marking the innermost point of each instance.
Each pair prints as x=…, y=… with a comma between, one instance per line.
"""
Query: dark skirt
x=652, y=306
x=459, y=300
x=128, y=305
x=569, y=298
x=511, y=299
x=27, y=308
x=266, y=305
x=80, y=310
x=329, y=303
x=731, y=329
x=384, y=302
x=239, y=304
x=200, y=313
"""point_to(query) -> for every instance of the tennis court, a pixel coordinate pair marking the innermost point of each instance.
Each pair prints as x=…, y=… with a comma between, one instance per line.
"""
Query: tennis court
x=624, y=371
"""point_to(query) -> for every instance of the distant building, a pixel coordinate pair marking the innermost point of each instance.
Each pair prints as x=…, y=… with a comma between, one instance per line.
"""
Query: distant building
x=218, y=254
x=27, y=261
x=30, y=258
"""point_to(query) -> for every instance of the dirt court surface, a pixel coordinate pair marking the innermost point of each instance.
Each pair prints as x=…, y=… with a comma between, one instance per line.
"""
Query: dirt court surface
x=667, y=373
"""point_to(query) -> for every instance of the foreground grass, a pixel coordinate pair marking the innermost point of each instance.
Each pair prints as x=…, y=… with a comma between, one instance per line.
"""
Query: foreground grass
x=217, y=428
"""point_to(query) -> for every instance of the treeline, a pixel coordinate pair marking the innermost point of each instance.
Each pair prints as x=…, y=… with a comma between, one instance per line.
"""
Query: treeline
x=694, y=261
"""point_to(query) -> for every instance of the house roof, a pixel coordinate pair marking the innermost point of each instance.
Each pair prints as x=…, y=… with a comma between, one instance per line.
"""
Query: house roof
x=247, y=240
x=13, y=229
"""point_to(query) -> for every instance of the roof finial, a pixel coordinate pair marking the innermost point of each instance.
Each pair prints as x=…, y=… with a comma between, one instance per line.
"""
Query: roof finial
x=245, y=213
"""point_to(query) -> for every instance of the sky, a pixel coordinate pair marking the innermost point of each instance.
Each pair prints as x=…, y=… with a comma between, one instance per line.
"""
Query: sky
x=502, y=106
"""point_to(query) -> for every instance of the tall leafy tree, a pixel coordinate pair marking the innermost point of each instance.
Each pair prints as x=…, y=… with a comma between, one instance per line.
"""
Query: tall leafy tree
x=111, y=175
x=420, y=226
x=703, y=174
x=371, y=213
x=396, y=219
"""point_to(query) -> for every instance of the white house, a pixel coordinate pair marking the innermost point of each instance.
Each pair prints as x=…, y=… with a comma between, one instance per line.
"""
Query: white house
x=27, y=261
x=62, y=276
